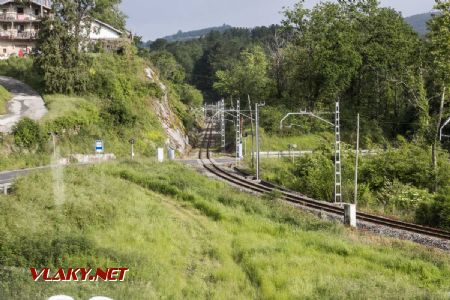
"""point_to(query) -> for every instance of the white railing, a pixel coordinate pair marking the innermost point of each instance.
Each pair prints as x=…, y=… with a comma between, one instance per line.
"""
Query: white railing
x=12, y=16
x=47, y=3
x=18, y=35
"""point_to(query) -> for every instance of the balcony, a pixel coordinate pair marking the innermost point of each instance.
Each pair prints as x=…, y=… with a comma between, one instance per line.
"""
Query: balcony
x=45, y=3
x=26, y=35
x=14, y=17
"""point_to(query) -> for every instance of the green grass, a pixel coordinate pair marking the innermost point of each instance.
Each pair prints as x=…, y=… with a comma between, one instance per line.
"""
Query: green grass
x=62, y=105
x=5, y=96
x=117, y=106
x=188, y=237
x=78, y=122
x=80, y=119
x=304, y=142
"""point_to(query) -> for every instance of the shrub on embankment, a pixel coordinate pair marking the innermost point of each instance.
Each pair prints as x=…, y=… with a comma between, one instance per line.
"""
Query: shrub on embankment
x=398, y=182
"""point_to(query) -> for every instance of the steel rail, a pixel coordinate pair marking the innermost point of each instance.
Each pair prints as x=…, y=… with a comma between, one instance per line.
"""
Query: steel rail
x=292, y=197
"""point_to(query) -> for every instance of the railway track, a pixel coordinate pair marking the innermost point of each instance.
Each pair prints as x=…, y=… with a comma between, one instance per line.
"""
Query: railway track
x=263, y=187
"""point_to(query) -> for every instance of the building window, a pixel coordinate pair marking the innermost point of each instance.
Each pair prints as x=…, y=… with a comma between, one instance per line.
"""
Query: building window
x=4, y=50
x=36, y=26
x=4, y=11
x=20, y=28
x=36, y=12
x=20, y=10
x=5, y=27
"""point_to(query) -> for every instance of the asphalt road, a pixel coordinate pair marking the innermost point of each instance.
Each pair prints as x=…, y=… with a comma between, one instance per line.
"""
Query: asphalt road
x=25, y=103
x=9, y=176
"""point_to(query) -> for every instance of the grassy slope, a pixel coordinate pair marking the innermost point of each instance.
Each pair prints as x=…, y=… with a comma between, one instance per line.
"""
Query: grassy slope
x=85, y=113
x=5, y=96
x=185, y=236
x=80, y=120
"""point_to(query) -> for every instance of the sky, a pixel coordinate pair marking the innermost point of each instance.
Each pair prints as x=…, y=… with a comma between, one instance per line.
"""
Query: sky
x=155, y=18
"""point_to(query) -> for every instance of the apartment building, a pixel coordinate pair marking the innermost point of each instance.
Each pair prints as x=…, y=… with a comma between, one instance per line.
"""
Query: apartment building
x=20, y=21
x=19, y=24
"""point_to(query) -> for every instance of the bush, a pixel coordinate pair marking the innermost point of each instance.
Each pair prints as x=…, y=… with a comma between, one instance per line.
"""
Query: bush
x=395, y=196
x=435, y=213
x=22, y=69
x=168, y=67
x=118, y=77
x=189, y=95
x=409, y=164
x=28, y=135
x=121, y=114
x=315, y=176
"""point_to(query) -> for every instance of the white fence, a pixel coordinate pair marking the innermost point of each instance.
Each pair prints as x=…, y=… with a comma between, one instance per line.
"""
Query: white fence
x=280, y=154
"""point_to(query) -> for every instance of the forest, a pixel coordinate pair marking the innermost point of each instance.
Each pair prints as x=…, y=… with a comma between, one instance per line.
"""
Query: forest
x=359, y=53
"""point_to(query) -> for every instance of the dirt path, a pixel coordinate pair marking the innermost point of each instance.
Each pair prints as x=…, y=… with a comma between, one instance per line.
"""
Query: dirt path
x=26, y=103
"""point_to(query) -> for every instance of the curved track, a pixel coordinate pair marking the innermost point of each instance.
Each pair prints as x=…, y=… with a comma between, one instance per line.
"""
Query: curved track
x=292, y=197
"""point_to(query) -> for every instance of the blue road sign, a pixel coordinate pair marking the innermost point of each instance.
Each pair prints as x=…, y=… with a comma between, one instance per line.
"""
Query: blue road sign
x=99, y=146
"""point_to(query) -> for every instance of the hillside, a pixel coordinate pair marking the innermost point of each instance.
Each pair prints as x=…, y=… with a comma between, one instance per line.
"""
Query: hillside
x=184, y=236
x=195, y=34
x=121, y=103
x=419, y=22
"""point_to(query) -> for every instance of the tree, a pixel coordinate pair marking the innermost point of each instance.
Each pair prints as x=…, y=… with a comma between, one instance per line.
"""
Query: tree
x=60, y=61
x=438, y=40
x=108, y=11
x=323, y=55
x=167, y=66
x=159, y=45
x=28, y=135
x=246, y=76
x=278, y=61
x=362, y=54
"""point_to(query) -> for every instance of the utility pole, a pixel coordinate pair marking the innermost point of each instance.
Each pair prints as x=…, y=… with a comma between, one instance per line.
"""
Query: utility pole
x=54, y=145
x=132, y=142
x=53, y=135
x=253, y=135
x=357, y=161
x=244, y=145
x=257, y=105
x=222, y=124
x=238, y=131
x=337, y=159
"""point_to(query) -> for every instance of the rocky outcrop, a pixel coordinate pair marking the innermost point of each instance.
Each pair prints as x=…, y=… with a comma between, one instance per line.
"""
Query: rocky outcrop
x=177, y=138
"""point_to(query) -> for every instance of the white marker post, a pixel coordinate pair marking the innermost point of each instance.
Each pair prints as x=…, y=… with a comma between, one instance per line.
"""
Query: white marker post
x=160, y=155
x=171, y=153
x=350, y=215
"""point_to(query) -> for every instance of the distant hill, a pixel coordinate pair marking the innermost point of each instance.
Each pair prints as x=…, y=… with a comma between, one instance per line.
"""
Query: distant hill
x=195, y=34
x=419, y=22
